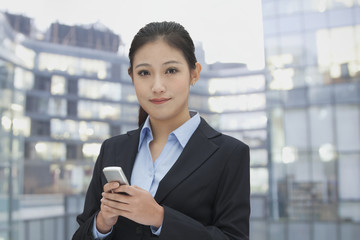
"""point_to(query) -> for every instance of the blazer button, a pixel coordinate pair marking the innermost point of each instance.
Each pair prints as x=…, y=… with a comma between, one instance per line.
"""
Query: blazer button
x=139, y=230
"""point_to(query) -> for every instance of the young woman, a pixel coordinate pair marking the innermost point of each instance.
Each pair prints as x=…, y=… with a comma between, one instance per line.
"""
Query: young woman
x=187, y=181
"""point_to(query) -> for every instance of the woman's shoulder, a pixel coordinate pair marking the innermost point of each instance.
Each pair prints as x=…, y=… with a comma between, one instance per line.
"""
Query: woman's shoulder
x=220, y=138
x=230, y=143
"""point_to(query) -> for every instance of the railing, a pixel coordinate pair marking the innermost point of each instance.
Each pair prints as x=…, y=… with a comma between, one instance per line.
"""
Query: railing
x=56, y=221
x=61, y=224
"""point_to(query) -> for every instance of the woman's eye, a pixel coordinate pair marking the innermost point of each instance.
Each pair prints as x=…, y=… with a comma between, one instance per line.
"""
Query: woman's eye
x=143, y=73
x=171, y=71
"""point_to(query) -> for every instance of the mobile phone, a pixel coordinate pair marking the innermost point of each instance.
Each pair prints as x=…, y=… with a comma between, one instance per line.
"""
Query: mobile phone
x=115, y=174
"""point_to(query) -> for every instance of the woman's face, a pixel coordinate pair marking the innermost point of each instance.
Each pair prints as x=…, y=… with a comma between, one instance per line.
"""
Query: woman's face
x=162, y=80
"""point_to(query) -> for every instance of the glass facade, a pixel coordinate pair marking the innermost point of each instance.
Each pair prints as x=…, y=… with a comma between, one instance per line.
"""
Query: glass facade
x=313, y=79
x=13, y=123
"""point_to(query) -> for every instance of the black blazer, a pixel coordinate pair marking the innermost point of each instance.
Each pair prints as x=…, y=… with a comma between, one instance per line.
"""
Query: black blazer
x=205, y=195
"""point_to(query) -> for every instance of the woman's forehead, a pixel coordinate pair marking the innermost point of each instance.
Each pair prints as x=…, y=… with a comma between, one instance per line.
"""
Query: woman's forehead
x=158, y=50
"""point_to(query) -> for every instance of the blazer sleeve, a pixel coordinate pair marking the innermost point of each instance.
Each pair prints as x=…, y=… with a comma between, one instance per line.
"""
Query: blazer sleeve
x=231, y=209
x=92, y=202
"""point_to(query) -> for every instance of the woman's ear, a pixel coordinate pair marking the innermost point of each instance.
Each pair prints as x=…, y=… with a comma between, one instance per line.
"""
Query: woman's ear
x=130, y=74
x=195, y=73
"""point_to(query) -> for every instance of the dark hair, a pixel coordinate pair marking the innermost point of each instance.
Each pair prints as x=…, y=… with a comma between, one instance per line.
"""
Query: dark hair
x=173, y=34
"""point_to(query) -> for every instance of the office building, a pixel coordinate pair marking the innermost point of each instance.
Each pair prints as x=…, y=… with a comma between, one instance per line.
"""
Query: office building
x=312, y=89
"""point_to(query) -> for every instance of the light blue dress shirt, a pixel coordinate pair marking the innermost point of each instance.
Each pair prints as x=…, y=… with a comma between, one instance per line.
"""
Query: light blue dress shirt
x=147, y=172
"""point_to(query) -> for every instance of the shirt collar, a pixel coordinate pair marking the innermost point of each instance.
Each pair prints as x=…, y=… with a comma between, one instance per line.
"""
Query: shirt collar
x=182, y=133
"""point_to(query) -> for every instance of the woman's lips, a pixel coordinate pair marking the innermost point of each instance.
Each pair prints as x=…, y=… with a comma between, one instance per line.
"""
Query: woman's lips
x=159, y=100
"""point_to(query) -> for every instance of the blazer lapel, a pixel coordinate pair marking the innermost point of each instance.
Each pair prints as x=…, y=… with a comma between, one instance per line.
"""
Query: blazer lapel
x=127, y=152
x=196, y=152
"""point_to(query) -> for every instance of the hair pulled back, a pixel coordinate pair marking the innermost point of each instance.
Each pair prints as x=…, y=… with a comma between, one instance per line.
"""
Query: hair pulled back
x=173, y=34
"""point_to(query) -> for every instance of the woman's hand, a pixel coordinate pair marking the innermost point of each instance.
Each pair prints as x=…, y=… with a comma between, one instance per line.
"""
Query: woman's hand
x=107, y=218
x=133, y=203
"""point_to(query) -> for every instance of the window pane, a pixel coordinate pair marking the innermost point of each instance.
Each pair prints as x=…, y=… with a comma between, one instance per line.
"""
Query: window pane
x=349, y=176
x=277, y=231
x=321, y=94
x=321, y=126
x=315, y=20
x=296, y=129
x=237, y=121
x=341, y=17
x=290, y=24
x=58, y=85
x=258, y=157
x=325, y=231
x=350, y=211
x=347, y=127
x=246, y=102
x=289, y=7
x=299, y=231
x=259, y=180
x=91, y=109
x=258, y=229
x=269, y=8
x=237, y=85
x=350, y=231
x=99, y=89
x=57, y=107
x=293, y=45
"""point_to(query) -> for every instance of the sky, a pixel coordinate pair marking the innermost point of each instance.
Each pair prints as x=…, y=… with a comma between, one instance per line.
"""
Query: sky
x=229, y=30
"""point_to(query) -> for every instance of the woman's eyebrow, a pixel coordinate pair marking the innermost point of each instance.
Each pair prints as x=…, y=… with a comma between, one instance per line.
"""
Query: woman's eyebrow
x=142, y=65
x=165, y=63
x=171, y=62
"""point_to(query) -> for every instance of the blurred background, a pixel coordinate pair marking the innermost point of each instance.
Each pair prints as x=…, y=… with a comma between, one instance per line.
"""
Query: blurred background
x=281, y=75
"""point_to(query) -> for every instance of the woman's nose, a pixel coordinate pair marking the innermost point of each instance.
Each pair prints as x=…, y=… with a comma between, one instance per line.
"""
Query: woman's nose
x=158, y=85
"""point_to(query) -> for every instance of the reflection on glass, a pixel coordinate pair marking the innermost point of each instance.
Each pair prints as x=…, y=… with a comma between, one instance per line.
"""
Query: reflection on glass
x=296, y=128
x=258, y=157
x=350, y=211
x=58, y=85
x=73, y=65
x=347, y=127
x=259, y=180
x=282, y=79
x=349, y=174
x=23, y=79
x=337, y=48
x=248, y=102
x=321, y=125
x=26, y=55
x=99, y=89
x=237, y=85
x=50, y=151
x=289, y=155
x=237, y=121
x=327, y=152
x=341, y=3
x=91, y=109
x=289, y=7
x=291, y=49
x=323, y=5
x=91, y=150
x=18, y=124
x=70, y=129
x=57, y=107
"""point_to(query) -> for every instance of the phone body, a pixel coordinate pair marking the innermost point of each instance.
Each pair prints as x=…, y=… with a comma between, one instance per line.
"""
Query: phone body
x=115, y=174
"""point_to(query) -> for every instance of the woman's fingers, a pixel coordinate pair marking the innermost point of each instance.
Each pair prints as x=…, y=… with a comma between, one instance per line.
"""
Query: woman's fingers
x=111, y=186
